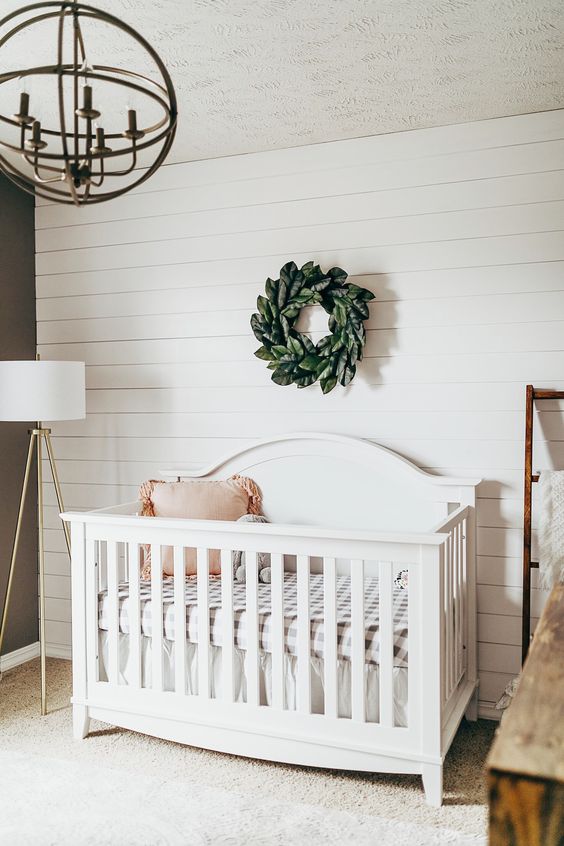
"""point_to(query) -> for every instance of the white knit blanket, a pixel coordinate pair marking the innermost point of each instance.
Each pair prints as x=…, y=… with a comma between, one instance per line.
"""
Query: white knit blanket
x=551, y=528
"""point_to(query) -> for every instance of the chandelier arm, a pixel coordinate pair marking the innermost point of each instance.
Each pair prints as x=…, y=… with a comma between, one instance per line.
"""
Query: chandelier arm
x=83, y=198
x=101, y=174
x=48, y=193
x=44, y=180
x=128, y=170
x=35, y=163
x=110, y=195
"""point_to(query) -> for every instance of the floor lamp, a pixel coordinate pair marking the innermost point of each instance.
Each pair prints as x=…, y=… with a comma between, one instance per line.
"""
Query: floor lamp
x=39, y=390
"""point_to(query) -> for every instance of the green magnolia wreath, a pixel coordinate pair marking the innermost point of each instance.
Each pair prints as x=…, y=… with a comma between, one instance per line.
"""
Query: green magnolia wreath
x=293, y=357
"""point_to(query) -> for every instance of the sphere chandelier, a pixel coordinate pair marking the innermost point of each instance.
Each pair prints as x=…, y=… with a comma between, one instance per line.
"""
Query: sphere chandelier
x=81, y=160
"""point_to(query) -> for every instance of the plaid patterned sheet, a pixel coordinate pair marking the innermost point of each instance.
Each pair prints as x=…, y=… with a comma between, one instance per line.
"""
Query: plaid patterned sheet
x=371, y=615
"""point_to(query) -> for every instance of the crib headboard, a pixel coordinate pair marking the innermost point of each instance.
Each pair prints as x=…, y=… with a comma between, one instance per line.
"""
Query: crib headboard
x=338, y=481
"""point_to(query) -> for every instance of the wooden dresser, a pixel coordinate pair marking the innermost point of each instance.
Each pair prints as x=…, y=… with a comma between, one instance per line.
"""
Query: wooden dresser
x=526, y=763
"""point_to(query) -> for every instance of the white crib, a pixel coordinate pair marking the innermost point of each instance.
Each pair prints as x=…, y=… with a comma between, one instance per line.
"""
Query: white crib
x=342, y=511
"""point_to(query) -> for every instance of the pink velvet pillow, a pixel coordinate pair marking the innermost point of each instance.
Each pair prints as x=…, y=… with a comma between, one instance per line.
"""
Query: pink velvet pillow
x=198, y=500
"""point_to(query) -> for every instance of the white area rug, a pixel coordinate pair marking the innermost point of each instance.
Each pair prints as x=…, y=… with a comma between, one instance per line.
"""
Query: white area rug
x=54, y=802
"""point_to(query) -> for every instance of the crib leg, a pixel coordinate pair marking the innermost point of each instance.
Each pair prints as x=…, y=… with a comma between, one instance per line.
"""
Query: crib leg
x=471, y=712
x=80, y=722
x=432, y=775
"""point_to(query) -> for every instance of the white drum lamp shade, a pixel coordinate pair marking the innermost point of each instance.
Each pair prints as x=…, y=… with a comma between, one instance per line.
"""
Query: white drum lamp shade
x=42, y=390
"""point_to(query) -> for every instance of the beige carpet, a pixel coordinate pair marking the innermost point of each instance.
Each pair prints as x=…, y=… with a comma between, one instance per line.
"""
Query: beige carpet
x=330, y=806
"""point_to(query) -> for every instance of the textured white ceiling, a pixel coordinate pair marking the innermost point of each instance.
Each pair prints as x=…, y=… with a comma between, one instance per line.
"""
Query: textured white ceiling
x=263, y=74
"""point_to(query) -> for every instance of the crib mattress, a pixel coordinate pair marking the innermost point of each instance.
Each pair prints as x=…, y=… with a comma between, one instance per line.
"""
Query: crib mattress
x=343, y=591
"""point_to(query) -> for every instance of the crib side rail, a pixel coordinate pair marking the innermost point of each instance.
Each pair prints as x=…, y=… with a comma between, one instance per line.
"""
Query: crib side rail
x=457, y=584
x=108, y=553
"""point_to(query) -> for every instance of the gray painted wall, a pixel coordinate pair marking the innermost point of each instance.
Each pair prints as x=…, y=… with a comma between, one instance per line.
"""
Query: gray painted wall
x=17, y=341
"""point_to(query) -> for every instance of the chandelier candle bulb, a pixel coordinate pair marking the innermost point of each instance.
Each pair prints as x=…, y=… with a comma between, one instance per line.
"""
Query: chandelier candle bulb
x=23, y=118
x=87, y=97
x=35, y=143
x=132, y=132
x=100, y=146
x=24, y=104
x=87, y=112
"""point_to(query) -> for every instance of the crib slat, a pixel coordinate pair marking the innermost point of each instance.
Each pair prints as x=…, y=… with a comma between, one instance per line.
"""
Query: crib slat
x=134, y=615
x=156, y=617
x=454, y=534
x=227, y=625
x=330, y=636
x=358, y=646
x=452, y=615
x=442, y=613
x=458, y=602
x=113, y=613
x=202, y=558
x=461, y=598
x=304, y=639
x=277, y=628
x=386, y=643
x=464, y=593
x=448, y=639
x=414, y=646
x=92, y=610
x=102, y=565
x=180, y=634
x=252, y=659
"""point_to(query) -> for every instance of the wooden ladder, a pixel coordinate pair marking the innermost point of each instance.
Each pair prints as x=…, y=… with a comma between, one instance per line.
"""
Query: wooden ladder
x=533, y=394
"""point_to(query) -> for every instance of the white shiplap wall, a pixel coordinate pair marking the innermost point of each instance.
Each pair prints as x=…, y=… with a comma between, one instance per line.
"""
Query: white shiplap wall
x=457, y=230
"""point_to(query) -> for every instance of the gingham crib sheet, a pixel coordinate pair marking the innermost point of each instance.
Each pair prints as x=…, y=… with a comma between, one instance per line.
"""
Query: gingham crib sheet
x=371, y=615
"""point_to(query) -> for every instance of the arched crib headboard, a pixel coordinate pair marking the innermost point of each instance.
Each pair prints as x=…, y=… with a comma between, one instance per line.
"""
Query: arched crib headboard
x=341, y=482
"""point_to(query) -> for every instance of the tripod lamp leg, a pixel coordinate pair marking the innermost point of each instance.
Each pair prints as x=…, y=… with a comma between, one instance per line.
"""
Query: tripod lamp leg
x=57, y=486
x=16, y=538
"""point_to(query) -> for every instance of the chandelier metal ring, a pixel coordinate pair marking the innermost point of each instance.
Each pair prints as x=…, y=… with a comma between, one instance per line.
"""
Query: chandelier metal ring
x=46, y=70
x=81, y=145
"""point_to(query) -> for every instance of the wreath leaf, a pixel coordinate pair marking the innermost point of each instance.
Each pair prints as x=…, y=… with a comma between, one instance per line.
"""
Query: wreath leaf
x=263, y=353
x=328, y=384
x=310, y=362
x=271, y=287
x=281, y=377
